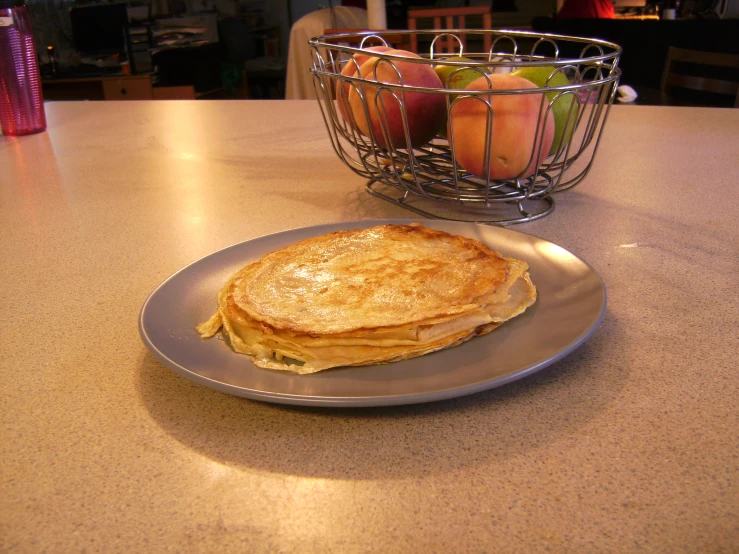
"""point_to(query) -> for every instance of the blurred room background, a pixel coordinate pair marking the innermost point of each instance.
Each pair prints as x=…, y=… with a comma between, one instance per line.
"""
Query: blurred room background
x=241, y=48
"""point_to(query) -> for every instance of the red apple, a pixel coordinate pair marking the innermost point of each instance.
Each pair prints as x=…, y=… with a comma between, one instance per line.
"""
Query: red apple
x=515, y=119
x=425, y=111
x=350, y=70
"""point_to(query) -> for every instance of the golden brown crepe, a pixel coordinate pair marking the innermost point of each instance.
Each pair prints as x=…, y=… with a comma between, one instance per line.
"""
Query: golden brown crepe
x=368, y=296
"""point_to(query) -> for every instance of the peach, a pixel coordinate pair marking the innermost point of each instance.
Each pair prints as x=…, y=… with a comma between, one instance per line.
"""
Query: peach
x=350, y=70
x=425, y=111
x=515, y=118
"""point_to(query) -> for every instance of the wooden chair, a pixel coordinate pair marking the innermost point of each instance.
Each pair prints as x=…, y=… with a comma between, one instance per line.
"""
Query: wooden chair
x=676, y=76
x=444, y=18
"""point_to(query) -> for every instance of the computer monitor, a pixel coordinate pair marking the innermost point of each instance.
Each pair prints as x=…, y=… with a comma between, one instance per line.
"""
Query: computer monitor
x=99, y=29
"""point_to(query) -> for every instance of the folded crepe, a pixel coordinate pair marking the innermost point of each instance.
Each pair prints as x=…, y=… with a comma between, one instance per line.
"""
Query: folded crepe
x=368, y=296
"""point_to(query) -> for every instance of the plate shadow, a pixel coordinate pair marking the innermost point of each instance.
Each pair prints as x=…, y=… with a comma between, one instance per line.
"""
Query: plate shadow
x=392, y=442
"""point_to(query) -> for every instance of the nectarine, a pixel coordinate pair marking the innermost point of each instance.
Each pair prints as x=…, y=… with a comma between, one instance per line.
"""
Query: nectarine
x=455, y=78
x=513, y=135
x=424, y=111
x=350, y=70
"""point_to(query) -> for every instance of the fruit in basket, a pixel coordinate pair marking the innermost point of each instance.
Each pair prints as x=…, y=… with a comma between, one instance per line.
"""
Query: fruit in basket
x=458, y=80
x=512, y=142
x=564, y=120
x=350, y=70
x=461, y=78
x=425, y=111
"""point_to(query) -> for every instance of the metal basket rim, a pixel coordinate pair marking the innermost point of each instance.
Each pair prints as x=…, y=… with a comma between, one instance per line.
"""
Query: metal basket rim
x=320, y=42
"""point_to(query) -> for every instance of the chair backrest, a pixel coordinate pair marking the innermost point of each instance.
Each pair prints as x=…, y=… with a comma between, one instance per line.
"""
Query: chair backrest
x=703, y=77
x=451, y=18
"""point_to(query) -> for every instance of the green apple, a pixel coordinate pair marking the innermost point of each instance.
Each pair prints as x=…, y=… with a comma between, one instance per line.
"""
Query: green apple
x=461, y=78
x=561, y=108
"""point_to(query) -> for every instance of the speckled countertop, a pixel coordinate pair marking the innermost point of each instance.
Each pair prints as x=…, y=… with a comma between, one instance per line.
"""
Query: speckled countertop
x=629, y=444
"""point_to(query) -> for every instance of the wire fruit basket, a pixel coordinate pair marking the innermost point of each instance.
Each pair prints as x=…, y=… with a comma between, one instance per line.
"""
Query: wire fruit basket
x=457, y=134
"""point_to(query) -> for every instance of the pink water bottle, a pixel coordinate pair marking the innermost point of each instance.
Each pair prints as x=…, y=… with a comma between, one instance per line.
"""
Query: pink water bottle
x=21, y=99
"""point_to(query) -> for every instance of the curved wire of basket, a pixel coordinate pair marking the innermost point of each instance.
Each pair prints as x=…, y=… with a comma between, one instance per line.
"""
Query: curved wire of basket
x=428, y=173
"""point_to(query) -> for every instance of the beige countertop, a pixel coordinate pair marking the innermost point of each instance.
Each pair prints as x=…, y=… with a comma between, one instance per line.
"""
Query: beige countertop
x=629, y=444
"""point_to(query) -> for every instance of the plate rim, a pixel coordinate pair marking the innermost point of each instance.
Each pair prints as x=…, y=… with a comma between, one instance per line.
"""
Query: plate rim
x=365, y=401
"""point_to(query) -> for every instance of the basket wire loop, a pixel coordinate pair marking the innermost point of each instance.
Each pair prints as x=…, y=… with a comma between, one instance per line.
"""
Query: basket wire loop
x=544, y=40
x=385, y=124
x=584, y=51
x=333, y=130
x=446, y=35
x=368, y=146
x=576, y=180
x=502, y=55
x=365, y=39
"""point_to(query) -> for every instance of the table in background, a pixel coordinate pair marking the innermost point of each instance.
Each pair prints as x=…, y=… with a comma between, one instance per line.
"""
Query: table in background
x=628, y=444
x=112, y=87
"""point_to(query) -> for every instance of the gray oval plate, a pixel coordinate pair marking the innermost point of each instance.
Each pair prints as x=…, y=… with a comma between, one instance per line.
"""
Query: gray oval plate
x=570, y=306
